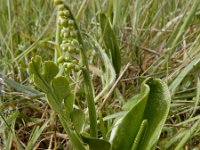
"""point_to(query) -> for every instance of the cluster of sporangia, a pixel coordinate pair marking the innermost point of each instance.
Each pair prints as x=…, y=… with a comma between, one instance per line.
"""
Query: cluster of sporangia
x=70, y=44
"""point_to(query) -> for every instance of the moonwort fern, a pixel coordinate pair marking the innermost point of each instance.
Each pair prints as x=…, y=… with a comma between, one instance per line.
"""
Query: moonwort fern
x=145, y=114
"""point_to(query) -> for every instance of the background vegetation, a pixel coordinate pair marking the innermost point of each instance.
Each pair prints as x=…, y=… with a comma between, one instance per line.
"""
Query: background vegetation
x=156, y=38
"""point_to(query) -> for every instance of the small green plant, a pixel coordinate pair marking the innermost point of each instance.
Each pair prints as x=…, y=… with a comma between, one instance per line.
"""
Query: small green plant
x=139, y=128
x=98, y=59
x=145, y=115
x=58, y=94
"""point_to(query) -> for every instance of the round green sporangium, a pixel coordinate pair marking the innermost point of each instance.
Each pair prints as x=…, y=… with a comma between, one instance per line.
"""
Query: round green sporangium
x=71, y=22
x=63, y=22
x=61, y=7
x=69, y=44
x=58, y=2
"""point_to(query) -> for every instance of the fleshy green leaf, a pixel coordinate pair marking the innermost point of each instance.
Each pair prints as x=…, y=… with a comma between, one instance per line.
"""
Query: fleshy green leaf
x=53, y=102
x=141, y=132
x=153, y=106
x=130, y=103
x=69, y=102
x=56, y=89
x=35, y=70
x=35, y=65
x=156, y=112
x=61, y=88
x=95, y=143
x=78, y=119
x=50, y=70
x=126, y=129
x=40, y=83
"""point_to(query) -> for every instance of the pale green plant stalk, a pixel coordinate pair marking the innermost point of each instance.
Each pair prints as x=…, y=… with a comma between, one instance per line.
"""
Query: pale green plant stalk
x=75, y=139
x=57, y=52
x=88, y=84
x=89, y=91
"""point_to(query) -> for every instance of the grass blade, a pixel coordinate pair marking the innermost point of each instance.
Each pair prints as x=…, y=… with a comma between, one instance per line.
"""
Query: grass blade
x=112, y=47
x=36, y=134
x=184, y=26
x=194, y=64
x=188, y=135
x=22, y=88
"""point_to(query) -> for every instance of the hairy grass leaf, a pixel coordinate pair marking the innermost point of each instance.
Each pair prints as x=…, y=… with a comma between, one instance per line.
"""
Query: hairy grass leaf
x=194, y=64
x=112, y=47
x=190, y=132
x=108, y=74
x=8, y=121
x=176, y=37
x=22, y=88
x=35, y=135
